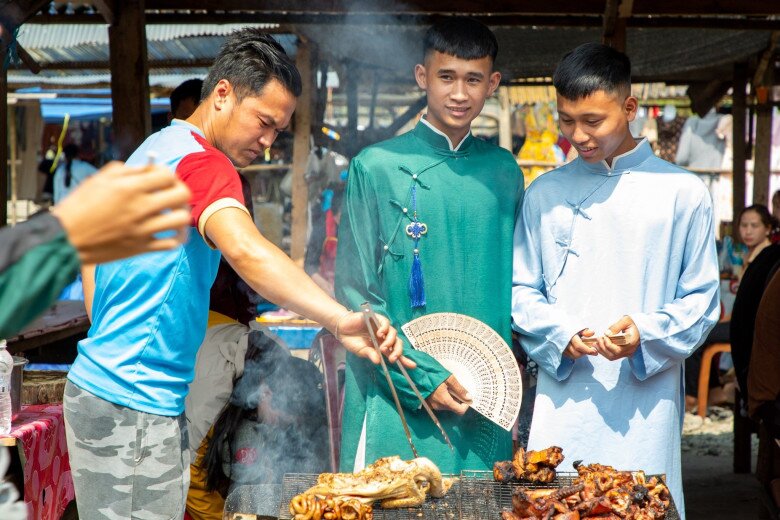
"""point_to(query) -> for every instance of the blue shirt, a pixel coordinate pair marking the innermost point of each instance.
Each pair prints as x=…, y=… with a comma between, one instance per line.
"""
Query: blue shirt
x=149, y=312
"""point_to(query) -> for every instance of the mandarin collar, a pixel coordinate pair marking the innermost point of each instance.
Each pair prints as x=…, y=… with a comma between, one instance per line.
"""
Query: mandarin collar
x=623, y=163
x=438, y=140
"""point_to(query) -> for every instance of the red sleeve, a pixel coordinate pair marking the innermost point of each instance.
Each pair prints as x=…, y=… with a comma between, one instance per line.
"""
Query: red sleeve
x=210, y=176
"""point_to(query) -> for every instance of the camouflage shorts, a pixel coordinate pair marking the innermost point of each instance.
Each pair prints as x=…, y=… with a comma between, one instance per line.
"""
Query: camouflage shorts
x=125, y=463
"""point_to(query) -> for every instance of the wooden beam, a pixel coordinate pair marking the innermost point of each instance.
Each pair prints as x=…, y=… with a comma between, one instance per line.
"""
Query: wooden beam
x=288, y=20
x=15, y=13
x=132, y=120
x=301, y=140
x=763, y=152
x=704, y=95
x=762, y=84
x=616, y=14
x=28, y=60
x=739, y=130
x=409, y=114
x=468, y=7
x=106, y=10
x=760, y=76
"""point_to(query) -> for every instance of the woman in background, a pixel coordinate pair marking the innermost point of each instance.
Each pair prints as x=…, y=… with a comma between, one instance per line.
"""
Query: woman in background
x=70, y=173
x=755, y=227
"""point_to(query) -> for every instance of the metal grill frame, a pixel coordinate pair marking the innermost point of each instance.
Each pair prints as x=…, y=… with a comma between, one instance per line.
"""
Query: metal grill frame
x=476, y=496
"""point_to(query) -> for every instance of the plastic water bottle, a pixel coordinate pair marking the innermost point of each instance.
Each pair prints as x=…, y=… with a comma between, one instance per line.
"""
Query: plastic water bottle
x=6, y=367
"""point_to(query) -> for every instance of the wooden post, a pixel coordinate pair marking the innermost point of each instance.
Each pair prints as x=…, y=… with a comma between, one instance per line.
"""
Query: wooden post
x=132, y=118
x=3, y=145
x=504, y=119
x=616, y=14
x=352, y=79
x=739, y=114
x=763, y=150
x=13, y=144
x=300, y=191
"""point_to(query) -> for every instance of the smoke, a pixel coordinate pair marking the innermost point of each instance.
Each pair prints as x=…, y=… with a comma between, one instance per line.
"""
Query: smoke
x=274, y=424
x=390, y=43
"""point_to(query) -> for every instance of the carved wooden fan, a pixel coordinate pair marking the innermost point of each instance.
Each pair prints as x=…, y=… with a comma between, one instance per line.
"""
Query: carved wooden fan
x=478, y=357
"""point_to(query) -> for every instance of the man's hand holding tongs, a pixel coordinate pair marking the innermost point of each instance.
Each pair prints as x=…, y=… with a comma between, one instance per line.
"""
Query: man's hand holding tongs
x=351, y=331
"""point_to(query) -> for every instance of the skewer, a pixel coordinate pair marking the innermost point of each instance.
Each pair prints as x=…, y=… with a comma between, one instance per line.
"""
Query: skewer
x=372, y=315
x=371, y=333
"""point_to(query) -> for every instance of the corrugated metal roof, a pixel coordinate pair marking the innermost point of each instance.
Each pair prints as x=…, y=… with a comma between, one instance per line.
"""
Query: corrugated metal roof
x=168, y=78
x=35, y=36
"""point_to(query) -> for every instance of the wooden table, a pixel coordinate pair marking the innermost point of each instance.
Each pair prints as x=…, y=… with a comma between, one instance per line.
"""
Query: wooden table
x=64, y=319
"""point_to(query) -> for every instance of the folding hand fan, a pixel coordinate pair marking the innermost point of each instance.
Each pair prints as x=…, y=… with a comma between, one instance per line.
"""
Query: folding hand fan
x=478, y=357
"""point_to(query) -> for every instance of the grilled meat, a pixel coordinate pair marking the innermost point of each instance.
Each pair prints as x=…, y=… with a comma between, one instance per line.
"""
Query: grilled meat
x=599, y=492
x=529, y=466
x=390, y=480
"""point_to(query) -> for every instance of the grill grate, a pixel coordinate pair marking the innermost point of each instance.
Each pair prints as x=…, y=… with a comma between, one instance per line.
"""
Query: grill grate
x=475, y=497
x=481, y=497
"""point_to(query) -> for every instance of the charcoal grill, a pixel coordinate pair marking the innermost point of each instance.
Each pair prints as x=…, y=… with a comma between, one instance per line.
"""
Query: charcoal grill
x=476, y=496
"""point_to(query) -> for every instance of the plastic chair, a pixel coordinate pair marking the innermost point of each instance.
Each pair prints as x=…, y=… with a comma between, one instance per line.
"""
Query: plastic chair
x=704, y=374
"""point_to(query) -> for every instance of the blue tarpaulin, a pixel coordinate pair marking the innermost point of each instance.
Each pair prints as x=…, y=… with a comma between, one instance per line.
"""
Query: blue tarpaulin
x=90, y=104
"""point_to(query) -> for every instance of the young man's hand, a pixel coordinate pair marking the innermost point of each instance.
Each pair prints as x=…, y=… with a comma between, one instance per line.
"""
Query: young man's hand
x=352, y=333
x=450, y=396
x=613, y=352
x=577, y=347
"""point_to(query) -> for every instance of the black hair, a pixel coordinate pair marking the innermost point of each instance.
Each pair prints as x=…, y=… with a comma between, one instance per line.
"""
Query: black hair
x=592, y=67
x=71, y=151
x=763, y=213
x=296, y=389
x=464, y=38
x=190, y=89
x=249, y=59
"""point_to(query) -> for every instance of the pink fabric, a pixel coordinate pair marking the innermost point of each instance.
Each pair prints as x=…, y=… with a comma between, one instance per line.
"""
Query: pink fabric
x=48, y=486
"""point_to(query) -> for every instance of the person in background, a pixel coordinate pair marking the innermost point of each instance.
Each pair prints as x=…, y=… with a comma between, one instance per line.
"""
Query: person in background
x=219, y=362
x=39, y=257
x=185, y=99
x=763, y=383
x=465, y=193
x=776, y=205
x=70, y=172
x=274, y=423
x=149, y=314
x=46, y=179
x=755, y=227
x=320, y=258
x=616, y=241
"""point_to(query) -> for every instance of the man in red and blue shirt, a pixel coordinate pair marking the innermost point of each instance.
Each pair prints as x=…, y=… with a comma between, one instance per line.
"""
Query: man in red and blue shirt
x=124, y=402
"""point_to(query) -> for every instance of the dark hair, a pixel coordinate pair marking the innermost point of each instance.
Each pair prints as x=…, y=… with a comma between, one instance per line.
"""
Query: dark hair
x=71, y=151
x=296, y=389
x=249, y=59
x=592, y=67
x=763, y=213
x=464, y=38
x=190, y=89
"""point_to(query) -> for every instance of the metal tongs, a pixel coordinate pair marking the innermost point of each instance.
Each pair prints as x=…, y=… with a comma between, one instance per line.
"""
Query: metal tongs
x=372, y=324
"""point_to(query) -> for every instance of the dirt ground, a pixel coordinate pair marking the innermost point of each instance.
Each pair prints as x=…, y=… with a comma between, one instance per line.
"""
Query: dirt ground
x=712, y=490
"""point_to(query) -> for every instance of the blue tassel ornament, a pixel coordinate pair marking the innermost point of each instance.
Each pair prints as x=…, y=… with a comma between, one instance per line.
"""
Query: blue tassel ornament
x=417, y=283
x=416, y=229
